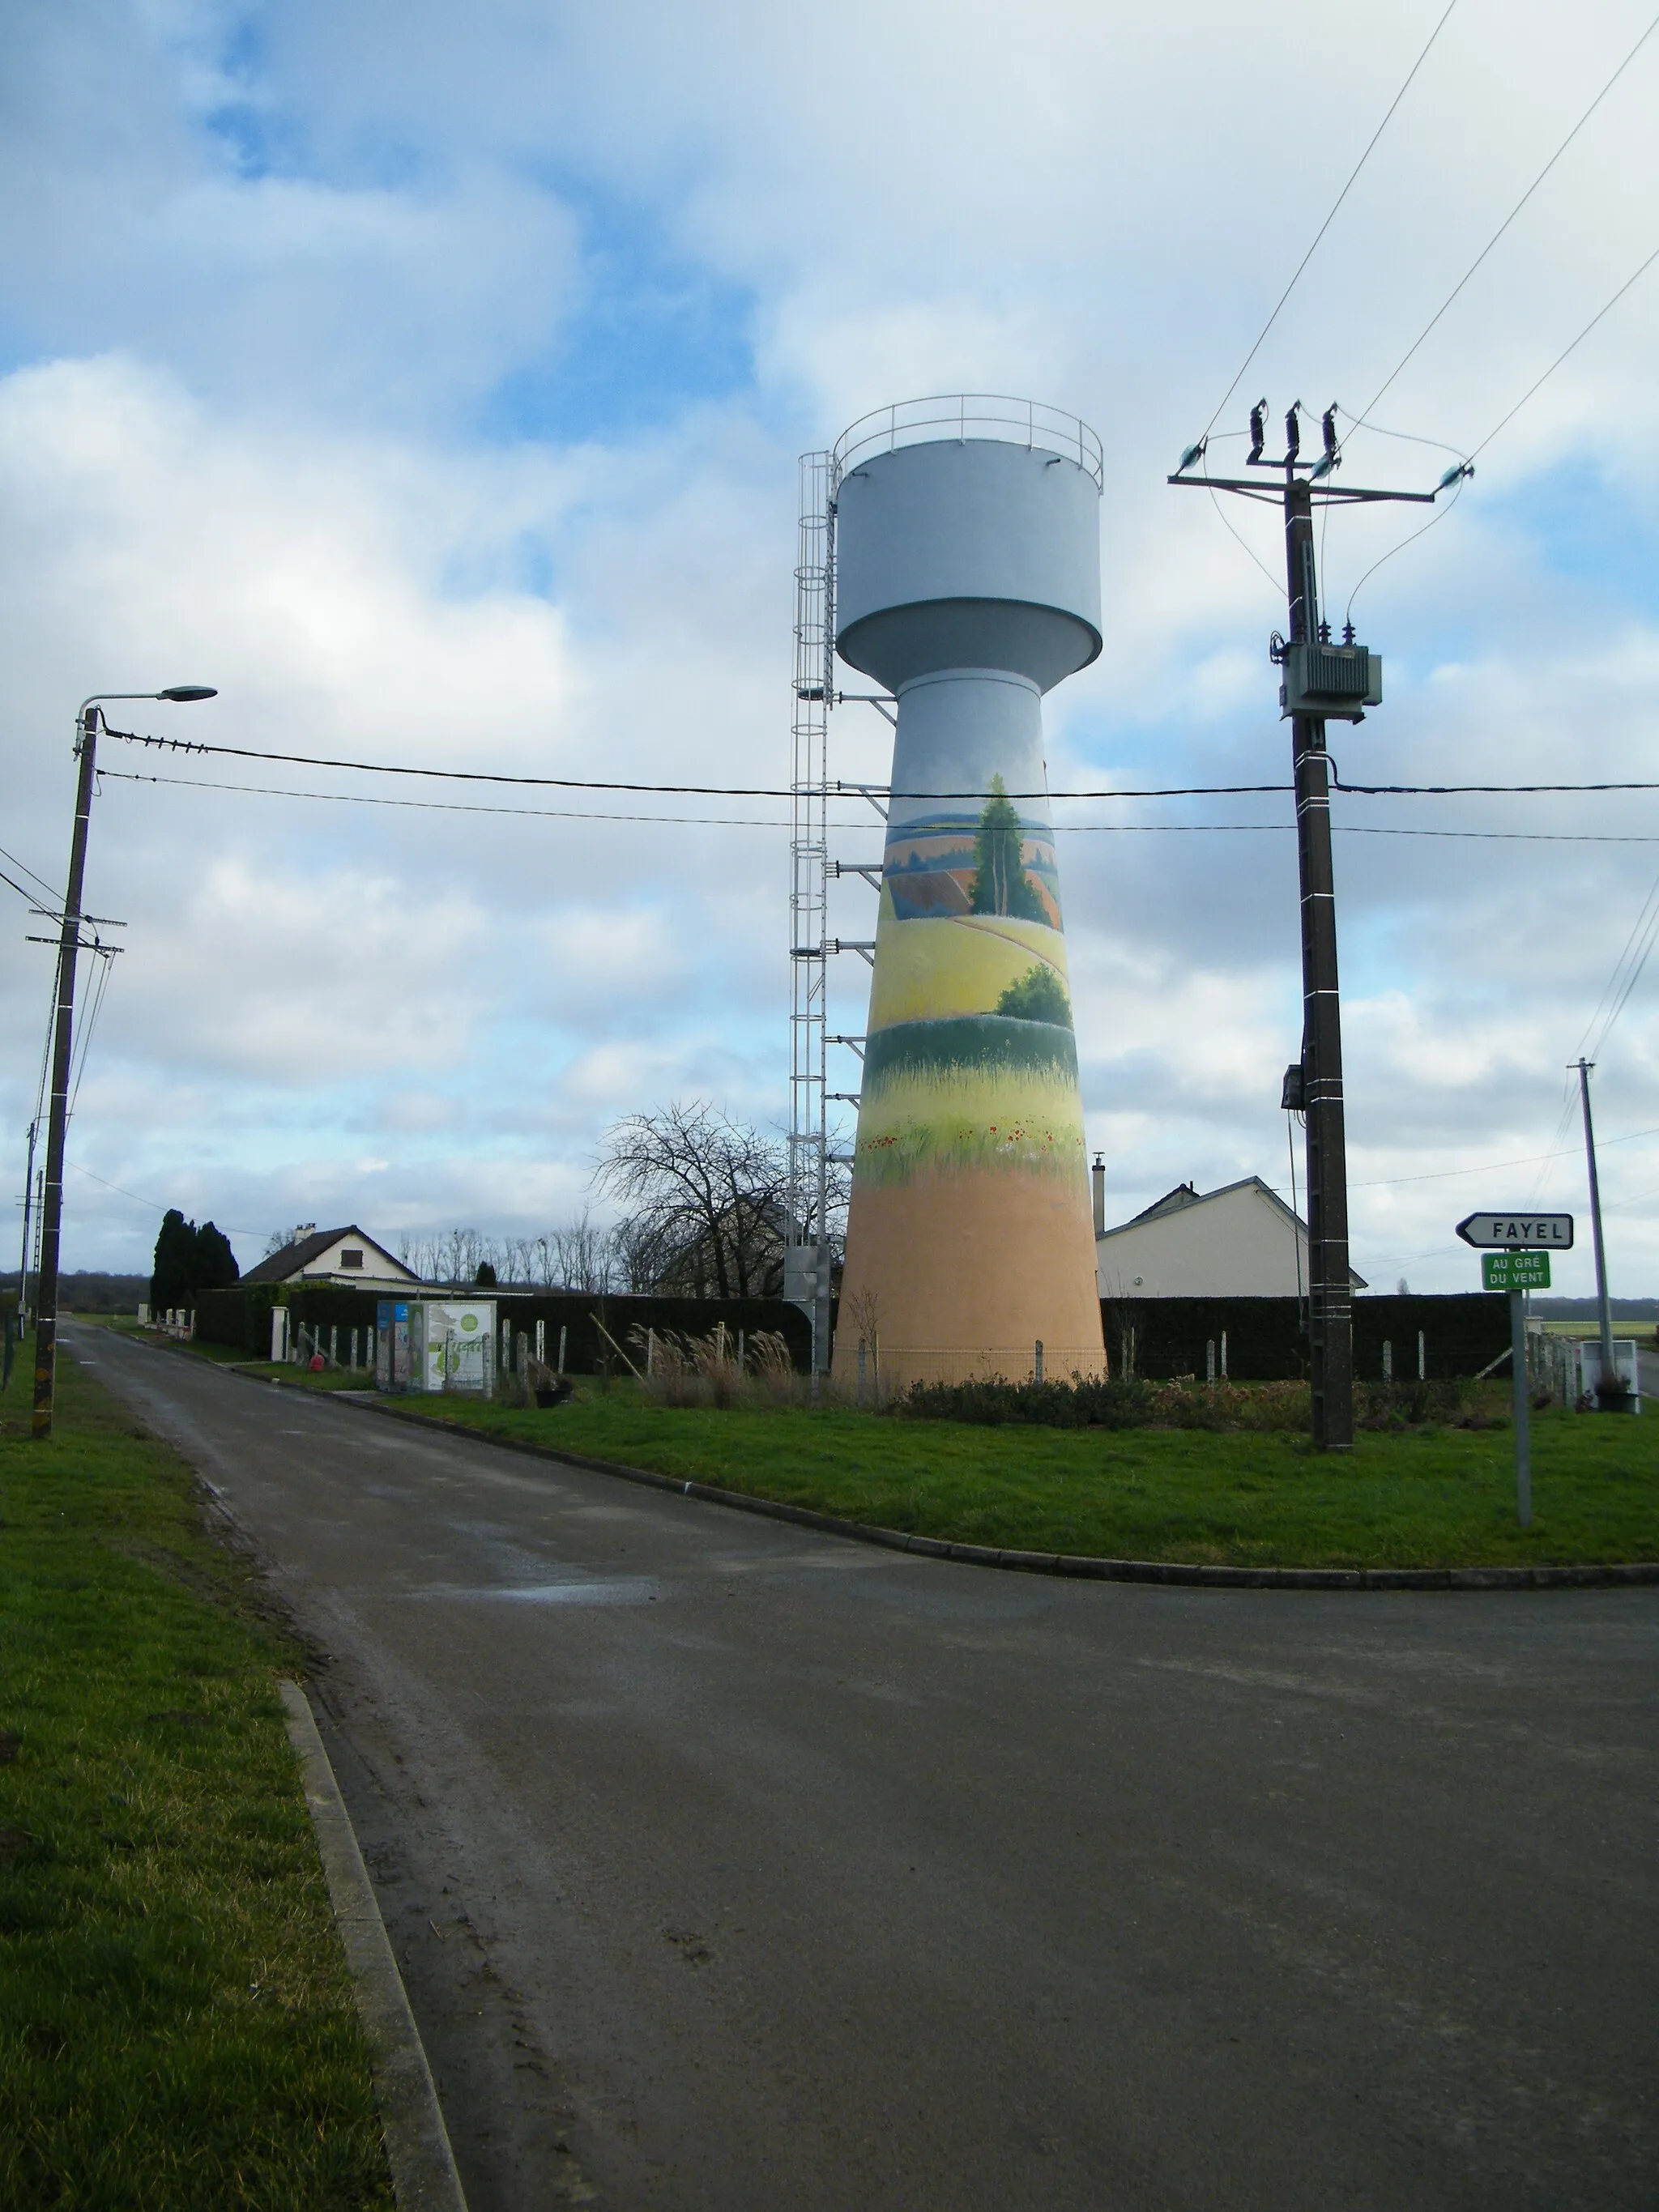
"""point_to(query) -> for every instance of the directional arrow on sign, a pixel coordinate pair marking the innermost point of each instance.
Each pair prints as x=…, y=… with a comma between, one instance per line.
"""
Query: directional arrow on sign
x=1517, y=1232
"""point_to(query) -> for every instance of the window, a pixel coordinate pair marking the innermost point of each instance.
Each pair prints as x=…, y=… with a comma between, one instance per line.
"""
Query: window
x=351, y=1259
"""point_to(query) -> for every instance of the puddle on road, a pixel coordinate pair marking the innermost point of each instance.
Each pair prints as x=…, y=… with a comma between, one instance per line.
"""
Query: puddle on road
x=583, y=1593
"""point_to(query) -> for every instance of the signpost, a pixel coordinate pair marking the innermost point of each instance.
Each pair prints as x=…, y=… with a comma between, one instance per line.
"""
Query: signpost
x=1514, y=1232
x=1514, y=1272
x=1515, y=1256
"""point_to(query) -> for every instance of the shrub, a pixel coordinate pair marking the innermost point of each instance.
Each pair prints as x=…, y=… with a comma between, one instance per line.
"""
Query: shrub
x=1113, y=1403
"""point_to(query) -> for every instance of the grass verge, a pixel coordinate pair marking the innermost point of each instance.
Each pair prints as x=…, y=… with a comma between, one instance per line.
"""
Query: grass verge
x=177, y=2026
x=1418, y=1499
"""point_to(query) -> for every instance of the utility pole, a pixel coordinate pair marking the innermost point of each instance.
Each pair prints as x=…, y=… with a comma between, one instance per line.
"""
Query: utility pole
x=52, y=1207
x=1611, y=1394
x=1322, y=681
x=1330, y=1300
x=69, y=949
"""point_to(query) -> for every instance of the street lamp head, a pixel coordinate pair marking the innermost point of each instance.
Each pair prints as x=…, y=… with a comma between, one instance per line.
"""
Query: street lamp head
x=180, y=694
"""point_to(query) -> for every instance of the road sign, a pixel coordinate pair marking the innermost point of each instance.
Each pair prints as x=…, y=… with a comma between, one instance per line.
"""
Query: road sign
x=1517, y=1232
x=1515, y=1271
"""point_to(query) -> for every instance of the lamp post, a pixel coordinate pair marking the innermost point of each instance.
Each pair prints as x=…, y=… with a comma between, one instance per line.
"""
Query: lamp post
x=69, y=946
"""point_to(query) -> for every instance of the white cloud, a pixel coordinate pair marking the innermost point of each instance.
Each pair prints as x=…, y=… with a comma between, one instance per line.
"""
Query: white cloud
x=299, y=300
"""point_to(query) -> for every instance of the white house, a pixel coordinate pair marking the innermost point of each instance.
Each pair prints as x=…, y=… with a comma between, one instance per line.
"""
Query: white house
x=1239, y=1242
x=332, y=1255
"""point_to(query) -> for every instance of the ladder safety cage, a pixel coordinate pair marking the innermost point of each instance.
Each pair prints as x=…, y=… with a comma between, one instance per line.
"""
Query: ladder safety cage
x=806, y=1256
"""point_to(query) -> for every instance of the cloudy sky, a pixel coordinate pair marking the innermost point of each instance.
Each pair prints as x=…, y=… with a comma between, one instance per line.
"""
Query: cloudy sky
x=431, y=379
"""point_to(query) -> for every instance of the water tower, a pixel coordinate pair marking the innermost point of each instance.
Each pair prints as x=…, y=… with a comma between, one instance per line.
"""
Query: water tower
x=966, y=583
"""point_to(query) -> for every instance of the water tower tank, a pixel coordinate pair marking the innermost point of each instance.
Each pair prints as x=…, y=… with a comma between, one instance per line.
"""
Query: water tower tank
x=968, y=583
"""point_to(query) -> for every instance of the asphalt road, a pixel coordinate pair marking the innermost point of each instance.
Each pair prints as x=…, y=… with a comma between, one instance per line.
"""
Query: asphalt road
x=740, y=1869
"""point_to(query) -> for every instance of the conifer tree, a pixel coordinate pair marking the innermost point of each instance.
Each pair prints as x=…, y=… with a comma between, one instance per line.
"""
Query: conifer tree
x=1000, y=882
x=171, y=1284
x=215, y=1263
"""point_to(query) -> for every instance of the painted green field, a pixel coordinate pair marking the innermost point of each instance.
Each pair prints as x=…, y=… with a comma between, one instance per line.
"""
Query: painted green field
x=176, y=2024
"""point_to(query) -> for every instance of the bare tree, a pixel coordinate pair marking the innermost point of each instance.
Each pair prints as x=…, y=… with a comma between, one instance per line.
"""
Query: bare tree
x=706, y=1199
x=582, y=1254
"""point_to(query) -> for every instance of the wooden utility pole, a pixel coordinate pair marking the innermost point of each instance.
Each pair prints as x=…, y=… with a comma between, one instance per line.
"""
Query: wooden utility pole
x=1322, y=680
x=1330, y=1300
x=51, y=1199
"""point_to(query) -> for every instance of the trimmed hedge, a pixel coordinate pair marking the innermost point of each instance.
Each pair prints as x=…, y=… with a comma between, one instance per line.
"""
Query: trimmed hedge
x=1267, y=1338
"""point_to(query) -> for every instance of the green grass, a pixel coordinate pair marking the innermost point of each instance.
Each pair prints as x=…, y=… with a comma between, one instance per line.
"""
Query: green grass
x=229, y=1355
x=1445, y=1498
x=177, y=2028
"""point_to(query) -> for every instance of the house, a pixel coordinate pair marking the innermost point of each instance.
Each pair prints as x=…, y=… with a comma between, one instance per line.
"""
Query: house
x=344, y=1256
x=1239, y=1242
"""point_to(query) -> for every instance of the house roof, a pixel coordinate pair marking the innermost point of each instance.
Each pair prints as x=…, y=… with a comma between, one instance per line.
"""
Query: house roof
x=295, y=1259
x=1185, y=1195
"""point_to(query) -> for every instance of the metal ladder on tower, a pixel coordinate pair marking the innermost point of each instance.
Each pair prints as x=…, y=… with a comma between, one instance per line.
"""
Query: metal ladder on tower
x=807, y=1265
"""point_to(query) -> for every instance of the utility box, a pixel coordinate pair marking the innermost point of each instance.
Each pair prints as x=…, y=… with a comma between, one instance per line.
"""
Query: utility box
x=1587, y=1365
x=1337, y=682
x=392, y=1340
x=436, y=1344
x=452, y=1345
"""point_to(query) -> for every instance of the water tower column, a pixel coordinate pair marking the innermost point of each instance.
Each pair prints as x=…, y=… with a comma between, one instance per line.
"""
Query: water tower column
x=969, y=584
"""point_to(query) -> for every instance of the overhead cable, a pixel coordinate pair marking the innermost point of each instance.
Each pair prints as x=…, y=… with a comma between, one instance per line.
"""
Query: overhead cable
x=1331, y=217
x=21, y=889
x=776, y=822
x=1486, y=1167
x=153, y=1204
x=55, y=896
x=1563, y=354
x=1509, y=219
x=1439, y=515
x=776, y=791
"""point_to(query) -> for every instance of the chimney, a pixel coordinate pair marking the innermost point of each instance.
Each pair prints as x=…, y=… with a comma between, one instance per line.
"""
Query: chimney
x=1097, y=1176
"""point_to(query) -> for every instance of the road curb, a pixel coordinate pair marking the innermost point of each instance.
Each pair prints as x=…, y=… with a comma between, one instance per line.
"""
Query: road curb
x=1179, y=1574
x=423, y=2164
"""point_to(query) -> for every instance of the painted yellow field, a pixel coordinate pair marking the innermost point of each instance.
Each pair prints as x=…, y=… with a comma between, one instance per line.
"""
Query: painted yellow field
x=947, y=1120
x=955, y=964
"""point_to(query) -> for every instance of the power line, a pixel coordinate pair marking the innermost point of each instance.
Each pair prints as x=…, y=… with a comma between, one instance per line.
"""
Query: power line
x=775, y=821
x=1330, y=218
x=1563, y=354
x=1509, y=218
x=230, y=1231
x=1439, y=515
x=663, y=790
x=1626, y=973
x=1489, y=1167
x=773, y=790
x=1454, y=790
x=455, y=806
x=55, y=896
x=22, y=892
x=106, y=956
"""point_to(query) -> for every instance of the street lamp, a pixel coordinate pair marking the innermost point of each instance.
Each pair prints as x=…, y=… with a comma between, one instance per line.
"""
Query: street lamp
x=69, y=946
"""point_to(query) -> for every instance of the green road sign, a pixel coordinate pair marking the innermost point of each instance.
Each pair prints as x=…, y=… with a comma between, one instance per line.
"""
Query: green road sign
x=1515, y=1271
